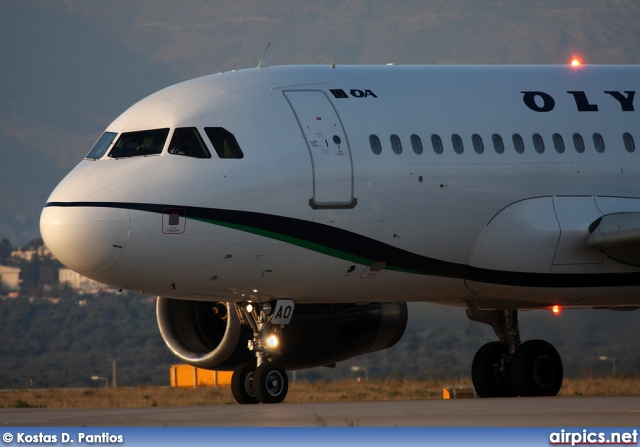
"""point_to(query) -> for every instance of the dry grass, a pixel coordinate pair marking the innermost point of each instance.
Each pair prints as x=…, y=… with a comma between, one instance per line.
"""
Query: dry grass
x=601, y=386
x=340, y=391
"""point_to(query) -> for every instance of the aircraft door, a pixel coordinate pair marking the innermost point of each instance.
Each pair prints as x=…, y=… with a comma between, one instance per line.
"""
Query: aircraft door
x=328, y=148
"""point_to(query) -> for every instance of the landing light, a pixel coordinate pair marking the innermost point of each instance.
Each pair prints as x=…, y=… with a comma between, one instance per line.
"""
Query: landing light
x=272, y=341
x=556, y=309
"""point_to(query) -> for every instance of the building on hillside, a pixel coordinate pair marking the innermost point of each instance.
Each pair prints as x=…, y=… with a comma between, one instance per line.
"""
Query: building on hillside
x=10, y=278
x=81, y=284
x=28, y=255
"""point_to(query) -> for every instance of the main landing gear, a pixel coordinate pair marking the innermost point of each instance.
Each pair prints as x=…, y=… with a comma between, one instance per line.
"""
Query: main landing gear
x=264, y=381
x=508, y=367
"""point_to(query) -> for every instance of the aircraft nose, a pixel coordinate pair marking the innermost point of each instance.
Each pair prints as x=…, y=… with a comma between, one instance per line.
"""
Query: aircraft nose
x=85, y=225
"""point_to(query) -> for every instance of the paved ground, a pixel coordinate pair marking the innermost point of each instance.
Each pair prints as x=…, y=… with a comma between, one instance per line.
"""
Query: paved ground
x=514, y=412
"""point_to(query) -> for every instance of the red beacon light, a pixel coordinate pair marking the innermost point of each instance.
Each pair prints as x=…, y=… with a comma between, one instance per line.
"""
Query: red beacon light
x=556, y=309
x=575, y=62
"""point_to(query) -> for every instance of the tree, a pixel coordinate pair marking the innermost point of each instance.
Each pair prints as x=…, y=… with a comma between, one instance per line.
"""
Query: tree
x=3, y=289
x=5, y=249
x=30, y=275
x=33, y=244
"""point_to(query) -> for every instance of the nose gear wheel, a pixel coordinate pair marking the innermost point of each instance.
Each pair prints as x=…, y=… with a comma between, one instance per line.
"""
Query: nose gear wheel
x=264, y=381
x=270, y=383
x=242, y=384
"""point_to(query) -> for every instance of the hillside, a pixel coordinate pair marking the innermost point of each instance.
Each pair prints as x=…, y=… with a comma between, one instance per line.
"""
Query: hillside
x=63, y=342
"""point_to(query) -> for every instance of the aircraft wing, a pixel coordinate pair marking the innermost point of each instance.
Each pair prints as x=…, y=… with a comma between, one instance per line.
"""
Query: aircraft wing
x=618, y=236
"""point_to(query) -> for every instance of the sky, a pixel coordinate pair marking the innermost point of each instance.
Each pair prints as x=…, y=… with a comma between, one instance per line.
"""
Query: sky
x=70, y=67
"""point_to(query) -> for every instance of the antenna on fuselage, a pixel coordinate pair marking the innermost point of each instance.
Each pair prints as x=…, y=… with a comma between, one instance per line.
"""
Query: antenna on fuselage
x=264, y=60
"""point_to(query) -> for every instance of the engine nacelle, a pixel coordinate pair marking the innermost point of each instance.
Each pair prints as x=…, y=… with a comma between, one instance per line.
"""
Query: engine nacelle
x=209, y=335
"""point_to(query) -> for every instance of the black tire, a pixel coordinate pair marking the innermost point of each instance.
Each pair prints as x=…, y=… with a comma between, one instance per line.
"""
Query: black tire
x=487, y=379
x=536, y=369
x=242, y=384
x=270, y=383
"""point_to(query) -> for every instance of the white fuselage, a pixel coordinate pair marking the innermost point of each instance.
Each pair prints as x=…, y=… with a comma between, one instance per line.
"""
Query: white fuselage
x=310, y=212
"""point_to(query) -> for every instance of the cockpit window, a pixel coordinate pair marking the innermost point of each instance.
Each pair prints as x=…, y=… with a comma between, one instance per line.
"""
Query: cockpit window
x=188, y=142
x=224, y=142
x=135, y=144
x=102, y=145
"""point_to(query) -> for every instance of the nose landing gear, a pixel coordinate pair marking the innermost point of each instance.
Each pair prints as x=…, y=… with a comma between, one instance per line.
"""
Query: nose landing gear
x=265, y=381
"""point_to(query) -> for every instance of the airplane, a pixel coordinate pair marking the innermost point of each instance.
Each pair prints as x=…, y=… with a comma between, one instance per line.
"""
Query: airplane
x=285, y=215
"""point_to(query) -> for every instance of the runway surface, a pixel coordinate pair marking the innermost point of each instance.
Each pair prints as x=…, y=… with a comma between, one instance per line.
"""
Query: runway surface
x=514, y=412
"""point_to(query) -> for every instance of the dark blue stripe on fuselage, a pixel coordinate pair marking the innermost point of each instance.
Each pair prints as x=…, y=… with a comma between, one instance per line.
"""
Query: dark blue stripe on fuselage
x=376, y=251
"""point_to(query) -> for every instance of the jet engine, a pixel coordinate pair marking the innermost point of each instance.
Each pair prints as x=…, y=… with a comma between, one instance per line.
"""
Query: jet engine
x=210, y=335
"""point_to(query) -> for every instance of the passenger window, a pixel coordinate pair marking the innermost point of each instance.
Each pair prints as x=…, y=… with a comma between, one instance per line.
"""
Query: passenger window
x=224, y=142
x=598, y=142
x=102, y=146
x=518, y=143
x=416, y=144
x=538, y=143
x=478, y=145
x=374, y=142
x=396, y=144
x=498, y=144
x=188, y=142
x=140, y=143
x=578, y=143
x=436, y=143
x=629, y=144
x=558, y=143
x=458, y=147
